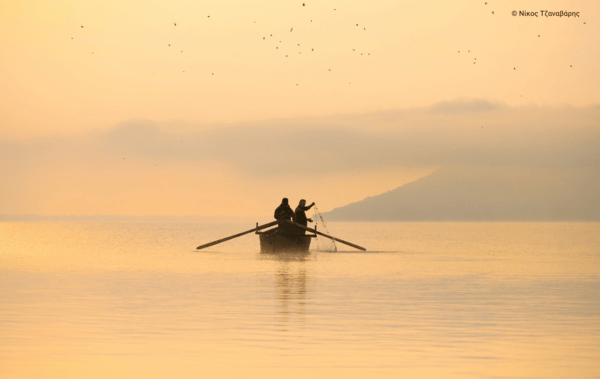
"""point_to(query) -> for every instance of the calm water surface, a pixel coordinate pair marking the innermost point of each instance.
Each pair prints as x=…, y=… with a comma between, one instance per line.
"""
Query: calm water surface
x=429, y=300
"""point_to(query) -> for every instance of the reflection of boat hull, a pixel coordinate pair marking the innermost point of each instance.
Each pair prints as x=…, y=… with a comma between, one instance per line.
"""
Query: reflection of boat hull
x=274, y=241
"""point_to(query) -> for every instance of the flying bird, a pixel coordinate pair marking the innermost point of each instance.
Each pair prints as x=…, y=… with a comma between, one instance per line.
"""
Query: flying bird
x=302, y=5
x=175, y=23
x=82, y=28
x=292, y=29
x=492, y=12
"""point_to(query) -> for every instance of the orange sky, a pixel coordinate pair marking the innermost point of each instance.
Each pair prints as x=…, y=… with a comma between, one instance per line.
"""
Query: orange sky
x=59, y=79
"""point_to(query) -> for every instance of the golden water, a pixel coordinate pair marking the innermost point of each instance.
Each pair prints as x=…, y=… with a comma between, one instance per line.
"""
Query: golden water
x=429, y=300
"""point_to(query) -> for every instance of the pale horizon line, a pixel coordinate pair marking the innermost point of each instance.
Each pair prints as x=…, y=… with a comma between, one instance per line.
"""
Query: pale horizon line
x=232, y=219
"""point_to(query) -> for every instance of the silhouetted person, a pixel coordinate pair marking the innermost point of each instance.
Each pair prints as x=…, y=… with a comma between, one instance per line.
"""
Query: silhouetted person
x=301, y=216
x=284, y=213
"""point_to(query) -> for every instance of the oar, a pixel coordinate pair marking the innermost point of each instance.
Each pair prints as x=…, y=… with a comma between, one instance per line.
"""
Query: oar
x=326, y=236
x=237, y=235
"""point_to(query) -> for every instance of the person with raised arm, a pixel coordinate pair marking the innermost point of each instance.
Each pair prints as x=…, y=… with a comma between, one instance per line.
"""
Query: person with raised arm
x=300, y=215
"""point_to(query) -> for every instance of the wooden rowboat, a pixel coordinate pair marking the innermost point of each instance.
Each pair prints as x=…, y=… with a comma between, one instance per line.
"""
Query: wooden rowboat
x=284, y=240
x=287, y=236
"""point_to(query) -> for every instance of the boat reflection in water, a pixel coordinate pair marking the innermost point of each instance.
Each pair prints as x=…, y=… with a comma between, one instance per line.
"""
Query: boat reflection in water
x=291, y=284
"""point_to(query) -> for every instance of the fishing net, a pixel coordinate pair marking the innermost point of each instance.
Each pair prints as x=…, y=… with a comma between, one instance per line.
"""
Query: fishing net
x=322, y=243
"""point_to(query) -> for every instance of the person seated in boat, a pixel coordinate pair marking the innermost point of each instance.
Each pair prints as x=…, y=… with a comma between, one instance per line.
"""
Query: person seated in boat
x=283, y=211
x=300, y=216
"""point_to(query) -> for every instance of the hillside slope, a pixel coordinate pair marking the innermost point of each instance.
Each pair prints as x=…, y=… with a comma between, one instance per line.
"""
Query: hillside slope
x=485, y=194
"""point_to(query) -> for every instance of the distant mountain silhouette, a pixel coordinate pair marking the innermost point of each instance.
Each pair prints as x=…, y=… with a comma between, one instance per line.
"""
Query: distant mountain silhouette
x=485, y=194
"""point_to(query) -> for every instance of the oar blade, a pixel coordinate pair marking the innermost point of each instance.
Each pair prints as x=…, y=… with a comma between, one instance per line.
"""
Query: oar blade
x=327, y=236
x=236, y=235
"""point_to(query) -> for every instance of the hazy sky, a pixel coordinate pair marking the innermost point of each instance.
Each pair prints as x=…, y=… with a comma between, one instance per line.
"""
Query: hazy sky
x=110, y=119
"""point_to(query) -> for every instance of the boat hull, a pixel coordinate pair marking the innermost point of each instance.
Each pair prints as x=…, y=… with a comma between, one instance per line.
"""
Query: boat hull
x=282, y=243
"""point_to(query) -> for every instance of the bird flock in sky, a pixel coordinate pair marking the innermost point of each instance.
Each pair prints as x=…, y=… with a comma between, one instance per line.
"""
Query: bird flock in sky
x=284, y=41
x=290, y=40
x=298, y=48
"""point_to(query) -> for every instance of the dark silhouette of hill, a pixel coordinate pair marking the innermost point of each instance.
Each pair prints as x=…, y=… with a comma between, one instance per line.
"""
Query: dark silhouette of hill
x=485, y=194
